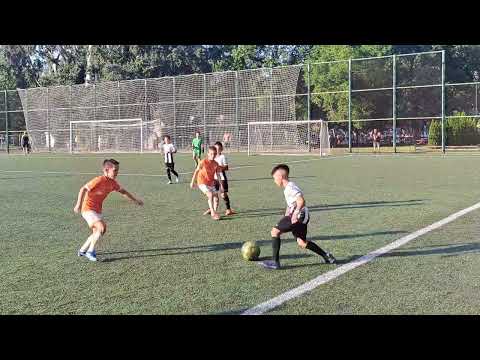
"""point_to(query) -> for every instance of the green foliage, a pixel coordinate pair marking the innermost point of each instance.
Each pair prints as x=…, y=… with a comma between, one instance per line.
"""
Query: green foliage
x=435, y=133
x=334, y=77
x=459, y=131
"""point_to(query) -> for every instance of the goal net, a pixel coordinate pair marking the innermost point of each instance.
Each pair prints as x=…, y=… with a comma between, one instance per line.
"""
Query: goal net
x=121, y=135
x=288, y=137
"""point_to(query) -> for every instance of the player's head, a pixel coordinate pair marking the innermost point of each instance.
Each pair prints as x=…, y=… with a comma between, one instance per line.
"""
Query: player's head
x=212, y=152
x=197, y=134
x=219, y=147
x=280, y=173
x=166, y=138
x=110, y=168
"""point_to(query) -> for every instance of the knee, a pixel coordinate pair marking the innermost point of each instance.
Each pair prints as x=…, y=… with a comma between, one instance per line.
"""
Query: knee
x=101, y=228
x=275, y=232
x=301, y=243
x=222, y=195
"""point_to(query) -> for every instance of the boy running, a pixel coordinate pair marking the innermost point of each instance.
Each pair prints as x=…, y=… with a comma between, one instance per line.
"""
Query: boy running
x=168, y=150
x=204, y=175
x=295, y=220
x=197, y=148
x=90, y=200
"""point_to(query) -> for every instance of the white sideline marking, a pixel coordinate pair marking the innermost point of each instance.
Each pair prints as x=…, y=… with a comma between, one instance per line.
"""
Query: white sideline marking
x=324, y=278
x=126, y=174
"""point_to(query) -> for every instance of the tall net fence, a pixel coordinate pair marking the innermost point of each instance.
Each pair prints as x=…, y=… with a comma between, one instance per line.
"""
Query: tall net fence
x=404, y=97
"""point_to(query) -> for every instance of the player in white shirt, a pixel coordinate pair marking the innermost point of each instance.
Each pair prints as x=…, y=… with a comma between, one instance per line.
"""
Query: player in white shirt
x=221, y=181
x=295, y=220
x=168, y=151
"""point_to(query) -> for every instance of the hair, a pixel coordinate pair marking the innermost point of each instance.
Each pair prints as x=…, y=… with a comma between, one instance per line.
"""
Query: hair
x=110, y=161
x=218, y=143
x=197, y=132
x=166, y=136
x=213, y=148
x=281, y=167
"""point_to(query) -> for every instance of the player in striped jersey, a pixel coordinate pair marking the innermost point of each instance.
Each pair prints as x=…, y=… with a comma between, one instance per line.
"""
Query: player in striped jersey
x=221, y=180
x=295, y=220
x=168, y=151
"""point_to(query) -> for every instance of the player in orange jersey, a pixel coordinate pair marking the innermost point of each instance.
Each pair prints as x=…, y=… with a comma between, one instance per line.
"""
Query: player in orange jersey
x=204, y=175
x=89, y=203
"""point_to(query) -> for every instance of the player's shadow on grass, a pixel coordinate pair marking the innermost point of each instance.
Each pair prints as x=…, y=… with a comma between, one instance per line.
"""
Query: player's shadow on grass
x=445, y=250
x=313, y=208
x=266, y=178
x=185, y=250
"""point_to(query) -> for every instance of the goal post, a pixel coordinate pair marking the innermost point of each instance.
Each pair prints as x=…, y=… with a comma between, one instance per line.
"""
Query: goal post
x=116, y=135
x=288, y=137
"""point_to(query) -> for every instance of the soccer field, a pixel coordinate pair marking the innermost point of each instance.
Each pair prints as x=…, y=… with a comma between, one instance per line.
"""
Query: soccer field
x=166, y=258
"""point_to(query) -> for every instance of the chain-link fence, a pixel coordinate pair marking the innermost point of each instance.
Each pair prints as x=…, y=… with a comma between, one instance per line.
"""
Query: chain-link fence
x=400, y=102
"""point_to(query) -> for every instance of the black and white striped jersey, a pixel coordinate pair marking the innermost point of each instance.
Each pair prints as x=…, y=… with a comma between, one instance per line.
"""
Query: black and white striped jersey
x=169, y=150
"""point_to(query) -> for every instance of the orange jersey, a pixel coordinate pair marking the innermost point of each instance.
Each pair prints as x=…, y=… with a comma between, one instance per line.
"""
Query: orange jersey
x=98, y=190
x=206, y=175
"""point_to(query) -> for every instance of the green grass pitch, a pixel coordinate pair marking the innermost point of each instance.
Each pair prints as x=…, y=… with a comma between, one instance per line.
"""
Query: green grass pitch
x=166, y=258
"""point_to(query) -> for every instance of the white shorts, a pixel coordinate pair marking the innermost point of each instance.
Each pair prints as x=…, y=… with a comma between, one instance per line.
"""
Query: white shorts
x=91, y=217
x=206, y=189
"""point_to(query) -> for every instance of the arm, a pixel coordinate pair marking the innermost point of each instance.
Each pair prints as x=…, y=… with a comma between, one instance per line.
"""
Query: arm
x=194, y=177
x=129, y=196
x=81, y=195
x=300, y=204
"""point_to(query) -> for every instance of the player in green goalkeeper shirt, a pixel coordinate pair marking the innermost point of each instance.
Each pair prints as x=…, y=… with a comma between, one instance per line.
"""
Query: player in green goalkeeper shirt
x=197, y=148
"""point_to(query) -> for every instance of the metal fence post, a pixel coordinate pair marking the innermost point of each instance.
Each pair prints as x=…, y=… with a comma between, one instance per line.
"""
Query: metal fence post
x=174, y=112
x=237, y=135
x=144, y=115
x=349, y=105
x=48, y=122
x=271, y=108
x=394, y=102
x=309, y=136
x=205, y=108
x=7, y=137
x=443, y=101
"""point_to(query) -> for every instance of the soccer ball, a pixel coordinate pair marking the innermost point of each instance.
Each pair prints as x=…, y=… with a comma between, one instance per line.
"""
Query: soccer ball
x=250, y=250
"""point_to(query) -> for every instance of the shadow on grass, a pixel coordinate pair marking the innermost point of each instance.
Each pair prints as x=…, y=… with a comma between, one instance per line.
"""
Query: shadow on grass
x=446, y=250
x=185, y=250
x=242, y=214
x=267, y=178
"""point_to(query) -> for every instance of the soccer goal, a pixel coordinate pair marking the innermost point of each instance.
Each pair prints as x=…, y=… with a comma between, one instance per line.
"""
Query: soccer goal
x=283, y=137
x=119, y=135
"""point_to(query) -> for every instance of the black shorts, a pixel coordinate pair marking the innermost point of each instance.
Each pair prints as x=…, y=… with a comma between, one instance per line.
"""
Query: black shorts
x=25, y=145
x=170, y=166
x=299, y=229
x=221, y=185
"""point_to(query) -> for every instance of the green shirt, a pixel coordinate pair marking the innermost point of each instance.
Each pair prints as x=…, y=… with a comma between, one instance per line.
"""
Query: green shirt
x=197, y=144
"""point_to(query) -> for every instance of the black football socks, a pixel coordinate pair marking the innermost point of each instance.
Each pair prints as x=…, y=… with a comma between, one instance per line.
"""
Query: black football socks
x=276, y=249
x=316, y=249
x=227, y=201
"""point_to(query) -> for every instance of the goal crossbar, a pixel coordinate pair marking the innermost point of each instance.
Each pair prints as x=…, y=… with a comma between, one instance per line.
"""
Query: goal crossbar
x=139, y=124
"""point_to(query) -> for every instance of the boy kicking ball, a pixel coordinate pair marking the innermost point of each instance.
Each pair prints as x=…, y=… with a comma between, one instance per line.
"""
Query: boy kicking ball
x=90, y=200
x=204, y=175
x=295, y=220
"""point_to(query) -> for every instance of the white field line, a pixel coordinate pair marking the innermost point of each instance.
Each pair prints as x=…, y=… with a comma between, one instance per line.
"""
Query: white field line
x=127, y=174
x=331, y=275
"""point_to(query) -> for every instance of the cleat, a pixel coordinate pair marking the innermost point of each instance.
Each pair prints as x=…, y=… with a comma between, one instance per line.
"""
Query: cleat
x=92, y=256
x=178, y=180
x=216, y=216
x=206, y=212
x=169, y=182
x=81, y=253
x=270, y=264
x=230, y=212
x=330, y=259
